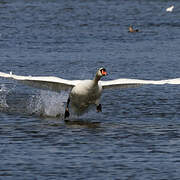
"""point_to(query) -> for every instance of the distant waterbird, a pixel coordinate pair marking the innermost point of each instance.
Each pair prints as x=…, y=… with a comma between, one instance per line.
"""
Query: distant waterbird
x=170, y=9
x=133, y=30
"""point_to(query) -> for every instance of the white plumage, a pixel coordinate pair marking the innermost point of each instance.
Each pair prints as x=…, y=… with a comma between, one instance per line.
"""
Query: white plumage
x=83, y=92
x=170, y=9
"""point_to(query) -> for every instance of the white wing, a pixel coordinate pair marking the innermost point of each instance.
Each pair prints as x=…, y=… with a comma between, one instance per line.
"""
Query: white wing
x=58, y=84
x=126, y=83
x=50, y=83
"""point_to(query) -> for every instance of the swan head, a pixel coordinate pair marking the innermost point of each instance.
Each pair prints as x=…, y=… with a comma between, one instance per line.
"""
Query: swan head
x=100, y=73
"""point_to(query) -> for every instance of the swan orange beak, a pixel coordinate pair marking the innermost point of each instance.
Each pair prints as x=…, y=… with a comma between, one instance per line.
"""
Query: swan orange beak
x=104, y=73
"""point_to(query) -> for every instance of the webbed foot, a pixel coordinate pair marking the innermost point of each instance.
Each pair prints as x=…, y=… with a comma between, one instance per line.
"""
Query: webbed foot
x=66, y=114
x=99, y=108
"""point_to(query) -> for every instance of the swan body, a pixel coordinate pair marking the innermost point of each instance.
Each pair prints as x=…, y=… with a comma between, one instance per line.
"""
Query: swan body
x=83, y=93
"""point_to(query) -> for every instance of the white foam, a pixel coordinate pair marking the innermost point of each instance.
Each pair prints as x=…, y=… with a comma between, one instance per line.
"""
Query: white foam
x=3, y=94
x=48, y=103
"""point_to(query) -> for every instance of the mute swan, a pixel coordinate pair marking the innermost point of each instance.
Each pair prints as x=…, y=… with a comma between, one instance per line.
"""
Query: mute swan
x=83, y=92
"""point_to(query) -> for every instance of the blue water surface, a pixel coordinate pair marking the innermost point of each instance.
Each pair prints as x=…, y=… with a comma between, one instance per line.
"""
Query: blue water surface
x=137, y=136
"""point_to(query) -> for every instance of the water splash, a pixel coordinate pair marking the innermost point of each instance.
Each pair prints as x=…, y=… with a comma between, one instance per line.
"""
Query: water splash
x=4, y=91
x=42, y=103
x=47, y=103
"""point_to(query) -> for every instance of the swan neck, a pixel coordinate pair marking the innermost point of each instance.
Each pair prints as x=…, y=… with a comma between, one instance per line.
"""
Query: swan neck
x=96, y=79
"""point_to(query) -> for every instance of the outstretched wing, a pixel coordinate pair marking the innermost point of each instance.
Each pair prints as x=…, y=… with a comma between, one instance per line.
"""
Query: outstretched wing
x=43, y=82
x=127, y=83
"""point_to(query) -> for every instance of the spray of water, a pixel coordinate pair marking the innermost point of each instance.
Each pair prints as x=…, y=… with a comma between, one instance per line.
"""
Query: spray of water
x=4, y=91
x=47, y=103
x=43, y=103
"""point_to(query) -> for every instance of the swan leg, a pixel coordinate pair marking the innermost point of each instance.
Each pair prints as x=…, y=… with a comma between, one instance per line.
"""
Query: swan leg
x=99, y=108
x=67, y=114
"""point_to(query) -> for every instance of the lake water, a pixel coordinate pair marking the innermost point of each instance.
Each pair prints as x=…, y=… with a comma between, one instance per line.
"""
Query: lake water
x=137, y=136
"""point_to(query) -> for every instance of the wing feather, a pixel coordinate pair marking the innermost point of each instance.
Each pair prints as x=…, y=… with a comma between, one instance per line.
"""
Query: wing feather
x=58, y=84
x=43, y=82
x=127, y=83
